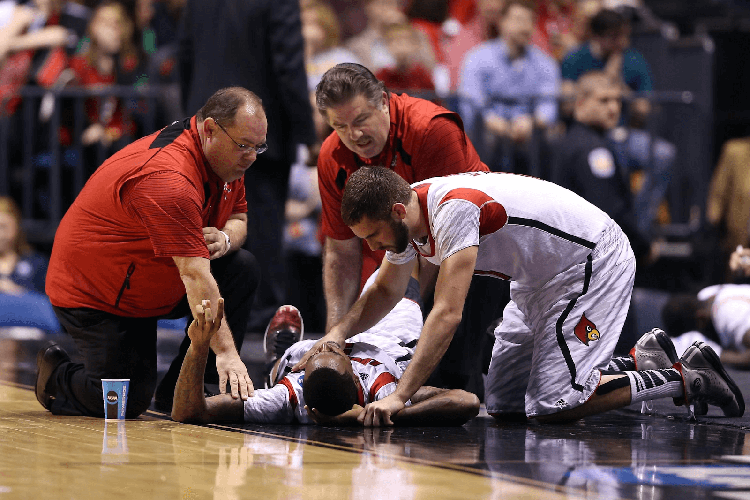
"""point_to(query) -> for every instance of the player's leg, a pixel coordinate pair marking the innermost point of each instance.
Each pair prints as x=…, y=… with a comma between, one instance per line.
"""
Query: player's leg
x=508, y=374
x=577, y=319
x=111, y=347
x=698, y=377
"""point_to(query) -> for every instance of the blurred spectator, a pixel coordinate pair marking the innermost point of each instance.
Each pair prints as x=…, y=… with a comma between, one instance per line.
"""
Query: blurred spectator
x=32, y=47
x=649, y=160
x=406, y=74
x=108, y=57
x=21, y=269
x=258, y=45
x=302, y=246
x=739, y=263
x=554, y=32
x=321, y=31
x=511, y=86
x=370, y=46
x=156, y=36
x=431, y=18
x=584, y=162
x=480, y=28
x=728, y=206
x=608, y=50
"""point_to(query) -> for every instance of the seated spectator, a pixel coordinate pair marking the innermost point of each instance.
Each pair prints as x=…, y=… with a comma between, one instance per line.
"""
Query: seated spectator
x=512, y=86
x=302, y=247
x=583, y=161
x=555, y=27
x=21, y=269
x=720, y=313
x=108, y=58
x=406, y=74
x=320, y=29
x=649, y=160
x=480, y=28
x=370, y=45
x=728, y=206
x=32, y=48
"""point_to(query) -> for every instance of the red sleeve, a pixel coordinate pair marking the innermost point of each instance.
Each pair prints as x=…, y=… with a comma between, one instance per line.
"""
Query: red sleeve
x=445, y=150
x=331, y=223
x=168, y=206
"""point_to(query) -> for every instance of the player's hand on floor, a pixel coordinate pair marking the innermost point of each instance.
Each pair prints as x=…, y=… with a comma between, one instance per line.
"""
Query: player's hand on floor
x=381, y=412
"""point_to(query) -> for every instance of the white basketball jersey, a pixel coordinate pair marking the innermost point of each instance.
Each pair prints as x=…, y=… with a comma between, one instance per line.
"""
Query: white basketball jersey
x=528, y=230
x=379, y=356
x=285, y=403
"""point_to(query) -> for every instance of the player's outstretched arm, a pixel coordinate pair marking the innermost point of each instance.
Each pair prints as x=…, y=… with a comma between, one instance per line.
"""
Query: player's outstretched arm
x=190, y=403
x=440, y=407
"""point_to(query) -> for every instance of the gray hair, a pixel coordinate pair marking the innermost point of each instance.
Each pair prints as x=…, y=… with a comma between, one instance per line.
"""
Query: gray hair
x=345, y=81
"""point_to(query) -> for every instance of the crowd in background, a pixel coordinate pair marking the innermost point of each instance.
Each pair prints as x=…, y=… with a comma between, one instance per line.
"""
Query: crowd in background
x=508, y=67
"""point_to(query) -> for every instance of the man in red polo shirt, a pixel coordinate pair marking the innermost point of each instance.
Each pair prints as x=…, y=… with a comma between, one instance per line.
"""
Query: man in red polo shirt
x=418, y=140
x=158, y=226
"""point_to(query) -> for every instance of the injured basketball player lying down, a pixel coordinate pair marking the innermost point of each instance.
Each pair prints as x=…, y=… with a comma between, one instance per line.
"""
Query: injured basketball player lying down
x=337, y=383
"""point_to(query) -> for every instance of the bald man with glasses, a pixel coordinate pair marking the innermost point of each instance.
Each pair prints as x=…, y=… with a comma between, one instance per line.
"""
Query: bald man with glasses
x=158, y=228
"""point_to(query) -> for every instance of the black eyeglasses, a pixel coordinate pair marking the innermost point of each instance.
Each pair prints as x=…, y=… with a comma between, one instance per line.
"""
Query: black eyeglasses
x=245, y=148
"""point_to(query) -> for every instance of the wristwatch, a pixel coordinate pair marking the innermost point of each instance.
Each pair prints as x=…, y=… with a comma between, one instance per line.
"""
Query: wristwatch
x=229, y=243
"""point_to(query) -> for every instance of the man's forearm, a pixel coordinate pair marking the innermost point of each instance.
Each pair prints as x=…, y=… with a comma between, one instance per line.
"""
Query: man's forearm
x=236, y=228
x=200, y=285
x=342, y=272
x=436, y=336
x=433, y=406
x=189, y=402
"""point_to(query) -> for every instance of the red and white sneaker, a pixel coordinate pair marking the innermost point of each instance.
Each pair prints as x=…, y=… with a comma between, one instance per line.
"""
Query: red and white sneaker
x=285, y=328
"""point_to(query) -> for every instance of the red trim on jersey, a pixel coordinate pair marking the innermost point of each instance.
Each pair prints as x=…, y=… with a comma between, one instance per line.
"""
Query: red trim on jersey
x=366, y=361
x=493, y=274
x=492, y=214
x=383, y=379
x=422, y=191
x=292, y=395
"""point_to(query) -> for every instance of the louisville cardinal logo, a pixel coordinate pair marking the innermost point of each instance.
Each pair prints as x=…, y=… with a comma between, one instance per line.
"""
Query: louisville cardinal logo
x=586, y=331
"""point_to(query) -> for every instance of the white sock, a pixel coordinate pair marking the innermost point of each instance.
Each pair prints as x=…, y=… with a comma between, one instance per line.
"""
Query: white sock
x=646, y=385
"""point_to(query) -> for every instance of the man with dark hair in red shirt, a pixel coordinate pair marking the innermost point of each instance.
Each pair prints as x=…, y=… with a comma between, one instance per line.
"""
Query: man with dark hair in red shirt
x=416, y=139
x=158, y=226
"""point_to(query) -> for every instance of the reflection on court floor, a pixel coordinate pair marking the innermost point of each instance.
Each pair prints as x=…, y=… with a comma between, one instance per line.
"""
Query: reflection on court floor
x=617, y=455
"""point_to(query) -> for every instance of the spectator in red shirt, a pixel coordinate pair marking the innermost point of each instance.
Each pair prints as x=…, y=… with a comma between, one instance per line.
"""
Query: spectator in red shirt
x=157, y=229
x=108, y=54
x=406, y=74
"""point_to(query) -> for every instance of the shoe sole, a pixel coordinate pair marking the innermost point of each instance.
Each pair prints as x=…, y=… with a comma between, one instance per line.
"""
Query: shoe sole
x=712, y=358
x=301, y=324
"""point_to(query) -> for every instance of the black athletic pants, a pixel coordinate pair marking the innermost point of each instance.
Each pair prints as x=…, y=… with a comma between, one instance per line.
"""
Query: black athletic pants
x=120, y=347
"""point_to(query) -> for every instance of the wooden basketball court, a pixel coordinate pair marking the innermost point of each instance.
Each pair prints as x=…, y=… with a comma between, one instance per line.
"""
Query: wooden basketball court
x=618, y=455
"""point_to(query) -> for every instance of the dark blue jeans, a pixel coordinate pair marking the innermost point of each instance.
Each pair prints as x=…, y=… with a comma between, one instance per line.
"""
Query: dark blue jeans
x=120, y=347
